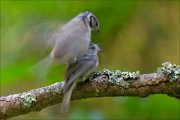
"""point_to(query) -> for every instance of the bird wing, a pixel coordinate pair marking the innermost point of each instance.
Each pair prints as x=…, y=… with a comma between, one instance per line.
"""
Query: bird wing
x=78, y=69
x=71, y=41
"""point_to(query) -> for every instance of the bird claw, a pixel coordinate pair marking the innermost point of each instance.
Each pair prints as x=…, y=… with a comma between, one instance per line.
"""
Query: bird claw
x=106, y=74
x=94, y=75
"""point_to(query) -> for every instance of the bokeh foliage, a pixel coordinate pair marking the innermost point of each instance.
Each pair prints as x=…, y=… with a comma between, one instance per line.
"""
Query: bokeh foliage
x=134, y=35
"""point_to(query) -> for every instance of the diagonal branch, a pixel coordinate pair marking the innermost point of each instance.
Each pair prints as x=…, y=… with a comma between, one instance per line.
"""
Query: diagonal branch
x=37, y=99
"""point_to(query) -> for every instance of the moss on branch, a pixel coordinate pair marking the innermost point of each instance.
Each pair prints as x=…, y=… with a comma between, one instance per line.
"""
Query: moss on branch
x=166, y=80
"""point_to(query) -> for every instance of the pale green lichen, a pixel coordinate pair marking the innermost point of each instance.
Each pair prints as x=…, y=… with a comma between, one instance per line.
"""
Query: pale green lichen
x=172, y=70
x=121, y=78
x=27, y=100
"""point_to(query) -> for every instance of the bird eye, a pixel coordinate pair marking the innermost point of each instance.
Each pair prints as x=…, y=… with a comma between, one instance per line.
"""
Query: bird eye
x=93, y=22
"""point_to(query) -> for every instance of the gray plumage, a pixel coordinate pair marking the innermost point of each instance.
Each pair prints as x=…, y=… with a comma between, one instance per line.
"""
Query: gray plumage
x=74, y=38
x=78, y=72
x=70, y=42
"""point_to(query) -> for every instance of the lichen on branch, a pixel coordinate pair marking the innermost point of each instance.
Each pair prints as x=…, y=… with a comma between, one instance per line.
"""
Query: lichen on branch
x=172, y=70
x=121, y=78
x=166, y=80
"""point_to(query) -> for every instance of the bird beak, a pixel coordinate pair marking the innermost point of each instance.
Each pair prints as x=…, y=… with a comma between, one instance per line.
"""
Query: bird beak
x=100, y=49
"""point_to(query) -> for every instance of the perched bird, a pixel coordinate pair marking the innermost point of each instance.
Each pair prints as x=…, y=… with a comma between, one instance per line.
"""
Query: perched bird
x=71, y=41
x=78, y=72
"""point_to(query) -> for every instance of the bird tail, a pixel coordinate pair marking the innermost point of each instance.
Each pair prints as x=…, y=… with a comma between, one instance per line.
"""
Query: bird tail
x=40, y=70
x=66, y=99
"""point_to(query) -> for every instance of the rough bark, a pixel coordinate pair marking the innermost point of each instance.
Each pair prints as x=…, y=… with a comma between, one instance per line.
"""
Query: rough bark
x=37, y=99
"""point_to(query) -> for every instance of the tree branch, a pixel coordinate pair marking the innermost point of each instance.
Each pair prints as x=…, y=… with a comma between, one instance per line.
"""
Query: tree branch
x=35, y=100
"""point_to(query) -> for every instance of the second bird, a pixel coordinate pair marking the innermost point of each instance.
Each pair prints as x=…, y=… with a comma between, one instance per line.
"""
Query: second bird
x=78, y=72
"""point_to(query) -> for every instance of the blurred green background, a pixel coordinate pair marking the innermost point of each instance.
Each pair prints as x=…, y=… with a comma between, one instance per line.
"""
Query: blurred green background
x=134, y=35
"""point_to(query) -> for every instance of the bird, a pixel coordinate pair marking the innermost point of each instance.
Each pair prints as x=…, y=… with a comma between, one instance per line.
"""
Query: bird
x=74, y=38
x=79, y=71
x=70, y=41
